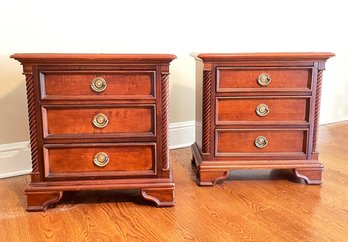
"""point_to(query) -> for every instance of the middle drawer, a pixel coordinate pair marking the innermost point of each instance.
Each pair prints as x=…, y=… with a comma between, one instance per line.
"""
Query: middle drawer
x=112, y=120
x=233, y=110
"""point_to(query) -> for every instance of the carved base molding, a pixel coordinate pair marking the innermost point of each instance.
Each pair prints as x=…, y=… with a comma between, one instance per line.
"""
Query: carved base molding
x=312, y=176
x=209, y=172
x=39, y=201
x=162, y=197
x=40, y=197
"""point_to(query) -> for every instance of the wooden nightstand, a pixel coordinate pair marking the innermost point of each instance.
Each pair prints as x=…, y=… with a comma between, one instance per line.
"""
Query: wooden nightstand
x=258, y=111
x=98, y=122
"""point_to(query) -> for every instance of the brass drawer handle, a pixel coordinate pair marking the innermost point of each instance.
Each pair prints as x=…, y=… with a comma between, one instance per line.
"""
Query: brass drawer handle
x=261, y=142
x=264, y=79
x=100, y=120
x=101, y=159
x=98, y=84
x=262, y=110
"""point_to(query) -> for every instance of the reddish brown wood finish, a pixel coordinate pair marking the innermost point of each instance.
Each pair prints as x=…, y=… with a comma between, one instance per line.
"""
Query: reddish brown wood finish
x=77, y=161
x=92, y=58
x=32, y=109
x=206, y=124
x=227, y=123
x=79, y=120
x=229, y=78
x=211, y=177
x=311, y=176
x=262, y=58
x=62, y=105
x=288, y=109
x=229, y=142
x=120, y=84
x=38, y=201
x=161, y=197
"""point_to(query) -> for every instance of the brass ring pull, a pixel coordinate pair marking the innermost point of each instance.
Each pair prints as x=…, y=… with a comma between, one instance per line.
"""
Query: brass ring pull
x=261, y=142
x=262, y=110
x=101, y=159
x=100, y=120
x=98, y=84
x=264, y=79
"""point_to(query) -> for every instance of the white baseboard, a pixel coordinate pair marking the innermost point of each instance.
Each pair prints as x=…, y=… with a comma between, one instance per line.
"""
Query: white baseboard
x=15, y=159
x=181, y=134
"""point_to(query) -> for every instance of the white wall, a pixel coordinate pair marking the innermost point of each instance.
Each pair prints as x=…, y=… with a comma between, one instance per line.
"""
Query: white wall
x=177, y=27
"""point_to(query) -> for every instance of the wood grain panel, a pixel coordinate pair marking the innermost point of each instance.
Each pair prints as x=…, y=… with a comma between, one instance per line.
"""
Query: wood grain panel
x=243, y=141
x=78, y=120
x=74, y=85
x=241, y=110
x=237, y=78
x=77, y=161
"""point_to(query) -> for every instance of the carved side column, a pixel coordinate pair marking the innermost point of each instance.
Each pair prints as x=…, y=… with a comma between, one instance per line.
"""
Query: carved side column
x=32, y=120
x=317, y=113
x=165, y=119
x=206, y=111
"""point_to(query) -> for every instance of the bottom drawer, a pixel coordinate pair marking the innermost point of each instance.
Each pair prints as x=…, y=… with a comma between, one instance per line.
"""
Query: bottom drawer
x=257, y=142
x=99, y=160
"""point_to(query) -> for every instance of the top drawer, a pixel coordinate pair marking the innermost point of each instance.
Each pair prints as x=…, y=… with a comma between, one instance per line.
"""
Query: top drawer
x=233, y=79
x=97, y=85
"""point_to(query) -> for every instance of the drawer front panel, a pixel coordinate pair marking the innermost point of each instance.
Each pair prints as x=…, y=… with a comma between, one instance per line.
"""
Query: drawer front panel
x=78, y=160
x=229, y=79
x=138, y=120
x=118, y=85
x=241, y=110
x=243, y=141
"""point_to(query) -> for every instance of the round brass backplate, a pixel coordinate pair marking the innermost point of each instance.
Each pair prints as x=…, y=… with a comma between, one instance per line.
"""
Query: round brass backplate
x=101, y=159
x=98, y=84
x=261, y=142
x=264, y=79
x=262, y=110
x=100, y=120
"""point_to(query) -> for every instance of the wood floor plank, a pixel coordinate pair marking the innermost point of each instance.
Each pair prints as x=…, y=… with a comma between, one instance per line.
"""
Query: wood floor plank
x=249, y=206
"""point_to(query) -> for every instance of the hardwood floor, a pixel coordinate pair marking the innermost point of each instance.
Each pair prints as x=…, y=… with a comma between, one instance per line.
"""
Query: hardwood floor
x=249, y=206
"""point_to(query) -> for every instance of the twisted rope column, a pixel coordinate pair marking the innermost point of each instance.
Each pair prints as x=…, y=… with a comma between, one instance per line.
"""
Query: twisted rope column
x=32, y=122
x=317, y=109
x=206, y=111
x=165, y=119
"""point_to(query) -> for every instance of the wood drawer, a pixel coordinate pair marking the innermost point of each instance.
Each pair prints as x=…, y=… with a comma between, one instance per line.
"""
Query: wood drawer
x=119, y=85
x=239, y=142
x=77, y=161
x=234, y=110
x=74, y=121
x=230, y=79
